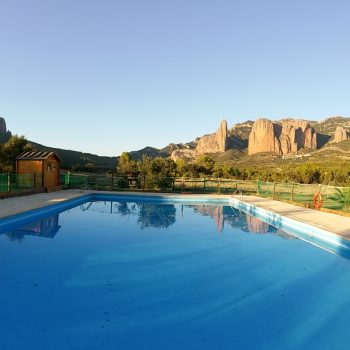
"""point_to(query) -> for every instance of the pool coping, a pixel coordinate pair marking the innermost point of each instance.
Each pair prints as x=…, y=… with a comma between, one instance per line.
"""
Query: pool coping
x=308, y=231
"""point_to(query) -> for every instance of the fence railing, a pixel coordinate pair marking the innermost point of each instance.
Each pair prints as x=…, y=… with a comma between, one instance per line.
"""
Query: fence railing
x=19, y=182
x=331, y=197
x=117, y=182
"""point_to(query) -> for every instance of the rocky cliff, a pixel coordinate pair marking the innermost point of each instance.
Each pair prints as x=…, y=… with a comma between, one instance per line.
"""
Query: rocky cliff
x=263, y=138
x=283, y=137
x=187, y=154
x=214, y=143
x=5, y=135
x=340, y=134
x=3, y=128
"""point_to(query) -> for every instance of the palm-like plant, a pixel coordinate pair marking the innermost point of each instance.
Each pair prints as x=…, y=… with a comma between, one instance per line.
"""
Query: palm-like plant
x=342, y=196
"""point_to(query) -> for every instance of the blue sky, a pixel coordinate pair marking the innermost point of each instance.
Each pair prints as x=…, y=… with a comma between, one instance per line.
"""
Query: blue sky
x=112, y=76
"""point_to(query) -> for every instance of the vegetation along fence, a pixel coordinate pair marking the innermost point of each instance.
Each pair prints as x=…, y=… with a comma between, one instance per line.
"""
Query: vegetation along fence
x=117, y=182
x=331, y=197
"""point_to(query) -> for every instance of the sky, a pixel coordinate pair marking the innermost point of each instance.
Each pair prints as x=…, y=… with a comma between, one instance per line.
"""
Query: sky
x=109, y=76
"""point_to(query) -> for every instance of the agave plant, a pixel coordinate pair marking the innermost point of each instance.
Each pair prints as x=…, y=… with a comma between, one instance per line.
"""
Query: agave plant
x=342, y=196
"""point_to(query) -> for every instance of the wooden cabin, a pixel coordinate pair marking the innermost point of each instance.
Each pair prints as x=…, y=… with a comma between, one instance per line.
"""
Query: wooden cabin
x=44, y=166
x=47, y=228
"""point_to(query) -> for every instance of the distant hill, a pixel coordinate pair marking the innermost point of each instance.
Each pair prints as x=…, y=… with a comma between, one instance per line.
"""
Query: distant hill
x=164, y=152
x=242, y=130
x=328, y=126
x=79, y=161
x=150, y=152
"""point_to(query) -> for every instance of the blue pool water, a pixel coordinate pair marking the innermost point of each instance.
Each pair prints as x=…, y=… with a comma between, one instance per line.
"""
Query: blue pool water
x=132, y=275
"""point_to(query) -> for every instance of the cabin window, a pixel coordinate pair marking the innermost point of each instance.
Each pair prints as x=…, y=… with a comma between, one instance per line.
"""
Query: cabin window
x=49, y=166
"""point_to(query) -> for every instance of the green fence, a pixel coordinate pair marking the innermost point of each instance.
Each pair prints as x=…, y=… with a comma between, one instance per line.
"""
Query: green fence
x=333, y=197
x=117, y=182
x=19, y=182
x=337, y=198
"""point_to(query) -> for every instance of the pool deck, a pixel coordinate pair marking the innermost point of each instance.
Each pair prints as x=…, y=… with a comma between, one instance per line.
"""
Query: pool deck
x=334, y=223
x=17, y=205
x=337, y=224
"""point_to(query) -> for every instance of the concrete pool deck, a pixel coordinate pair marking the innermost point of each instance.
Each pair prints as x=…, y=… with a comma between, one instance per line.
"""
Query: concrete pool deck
x=337, y=224
x=16, y=205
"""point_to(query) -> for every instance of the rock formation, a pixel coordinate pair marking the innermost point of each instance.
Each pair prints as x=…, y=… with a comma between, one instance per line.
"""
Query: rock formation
x=214, y=212
x=286, y=136
x=255, y=225
x=214, y=143
x=262, y=137
x=2, y=126
x=5, y=135
x=187, y=154
x=340, y=134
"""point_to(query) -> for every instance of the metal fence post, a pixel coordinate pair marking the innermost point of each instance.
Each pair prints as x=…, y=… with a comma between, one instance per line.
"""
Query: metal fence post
x=219, y=185
x=8, y=182
x=274, y=190
x=292, y=194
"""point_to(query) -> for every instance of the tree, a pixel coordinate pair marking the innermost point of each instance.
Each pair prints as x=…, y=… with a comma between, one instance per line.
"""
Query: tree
x=157, y=216
x=144, y=165
x=10, y=151
x=309, y=173
x=126, y=165
x=181, y=165
x=161, y=172
x=205, y=165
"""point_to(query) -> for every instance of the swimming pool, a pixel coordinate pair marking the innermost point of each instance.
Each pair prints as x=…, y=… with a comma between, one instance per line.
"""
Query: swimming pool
x=153, y=274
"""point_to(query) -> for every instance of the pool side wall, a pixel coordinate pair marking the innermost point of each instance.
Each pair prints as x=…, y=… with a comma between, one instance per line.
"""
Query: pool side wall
x=322, y=238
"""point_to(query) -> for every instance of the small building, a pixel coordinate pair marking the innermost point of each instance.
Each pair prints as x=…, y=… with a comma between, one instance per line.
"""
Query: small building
x=43, y=166
x=46, y=228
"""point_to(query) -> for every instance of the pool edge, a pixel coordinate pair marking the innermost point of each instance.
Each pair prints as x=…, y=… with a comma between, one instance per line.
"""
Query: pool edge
x=302, y=230
x=26, y=216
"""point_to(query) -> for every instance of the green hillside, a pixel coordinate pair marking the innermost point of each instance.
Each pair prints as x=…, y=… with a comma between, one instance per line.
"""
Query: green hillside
x=328, y=126
x=79, y=161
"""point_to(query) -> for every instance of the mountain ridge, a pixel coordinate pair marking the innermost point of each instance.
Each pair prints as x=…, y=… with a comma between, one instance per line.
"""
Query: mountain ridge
x=225, y=145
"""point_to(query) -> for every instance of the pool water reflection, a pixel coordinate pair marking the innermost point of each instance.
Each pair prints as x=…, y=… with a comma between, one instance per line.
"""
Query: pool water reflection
x=124, y=275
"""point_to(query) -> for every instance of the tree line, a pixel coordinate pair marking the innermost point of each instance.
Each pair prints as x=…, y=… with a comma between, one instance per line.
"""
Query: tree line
x=158, y=169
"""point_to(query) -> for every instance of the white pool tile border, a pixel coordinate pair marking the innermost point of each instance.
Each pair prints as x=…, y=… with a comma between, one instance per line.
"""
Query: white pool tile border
x=297, y=228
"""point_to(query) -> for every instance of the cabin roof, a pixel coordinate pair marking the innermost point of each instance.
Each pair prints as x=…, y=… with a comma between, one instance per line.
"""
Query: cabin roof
x=37, y=155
